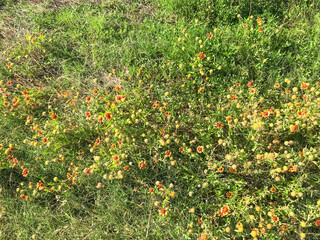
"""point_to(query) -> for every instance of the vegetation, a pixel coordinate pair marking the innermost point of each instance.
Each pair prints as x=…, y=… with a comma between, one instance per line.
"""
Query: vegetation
x=164, y=119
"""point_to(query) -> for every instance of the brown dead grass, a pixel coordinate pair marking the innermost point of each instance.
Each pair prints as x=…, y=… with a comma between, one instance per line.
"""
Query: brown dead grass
x=55, y=4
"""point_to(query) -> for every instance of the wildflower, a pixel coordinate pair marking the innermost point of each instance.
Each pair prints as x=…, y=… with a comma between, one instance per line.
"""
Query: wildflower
x=25, y=172
x=272, y=189
x=304, y=85
x=191, y=210
x=95, y=91
x=181, y=150
x=220, y=169
x=229, y=194
x=265, y=113
x=277, y=85
x=318, y=223
x=294, y=128
x=127, y=168
x=239, y=224
x=163, y=211
x=209, y=35
x=245, y=25
x=201, y=56
x=168, y=153
x=219, y=125
x=88, y=99
x=200, y=149
x=22, y=196
x=284, y=227
x=117, y=88
x=54, y=116
x=118, y=98
x=204, y=236
x=260, y=29
x=275, y=218
x=40, y=186
x=86, y=171
x=224, y=211
x=303, y=224
x=151, y=190
x=108, y=116
x=44, y=140
x=69, y=176
x=234, y=98
x=253, y=90
x=229, y=119
x=250, y=84
x=142, y=165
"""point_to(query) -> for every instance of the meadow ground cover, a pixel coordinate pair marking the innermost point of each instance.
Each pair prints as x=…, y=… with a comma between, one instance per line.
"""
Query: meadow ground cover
x=167, y=119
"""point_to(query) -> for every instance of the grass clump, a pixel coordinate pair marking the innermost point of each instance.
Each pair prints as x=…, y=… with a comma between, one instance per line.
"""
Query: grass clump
x=161, y=120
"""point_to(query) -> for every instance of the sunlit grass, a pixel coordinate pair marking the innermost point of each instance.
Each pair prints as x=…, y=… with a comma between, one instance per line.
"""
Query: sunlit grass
x=165, y=120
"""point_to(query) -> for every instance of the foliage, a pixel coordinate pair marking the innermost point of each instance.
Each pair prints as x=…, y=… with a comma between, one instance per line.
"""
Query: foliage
x=145, y=126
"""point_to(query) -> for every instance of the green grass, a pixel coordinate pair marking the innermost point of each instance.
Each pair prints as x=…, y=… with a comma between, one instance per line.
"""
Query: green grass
x=61, y=51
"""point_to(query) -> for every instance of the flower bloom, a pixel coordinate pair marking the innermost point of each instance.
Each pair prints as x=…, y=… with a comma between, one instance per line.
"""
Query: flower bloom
x=318, y=223
x=108, y=116
x=201, y=56
x=118, y=98
x=266, y=113
x=22, y=196
x=25, y=172
x=220, y=169
x=200, y=149
x=253, y=90
x=168, y=153
x=142, y=165
x=304, y=85
x=224, y=211
x=275, y=218
x=127, y=168
x=294, y=128
x=163, y=211
x=54, y=116
x=219, y=125
x=86, y=171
